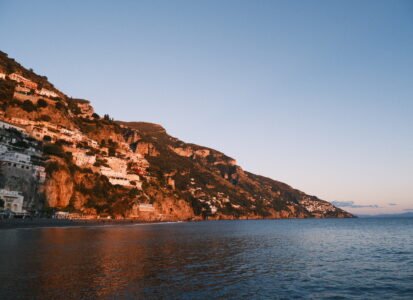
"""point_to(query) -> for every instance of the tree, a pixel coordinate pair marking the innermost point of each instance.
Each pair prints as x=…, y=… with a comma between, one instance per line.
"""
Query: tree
x=112, y=151
x=45, y=118
x=41, y=103
x=47, y=138
x=6, y=90
x=53, y=149
x=59, y=106
x=28, y=106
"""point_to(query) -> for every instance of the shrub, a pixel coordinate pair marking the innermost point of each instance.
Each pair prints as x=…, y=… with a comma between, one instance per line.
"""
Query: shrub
x=53, y=149
x=45, y=118
x=21, y=144
x=86, y=170
x=41, y=103
x=47, y=138
x=112, y=151
x=52, y=166
x=63, y=143
x=6, y=90
x=28, y=106
x=59, y=106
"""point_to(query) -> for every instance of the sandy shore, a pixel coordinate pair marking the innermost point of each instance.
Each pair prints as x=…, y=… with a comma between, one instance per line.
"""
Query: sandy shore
x=44, y=222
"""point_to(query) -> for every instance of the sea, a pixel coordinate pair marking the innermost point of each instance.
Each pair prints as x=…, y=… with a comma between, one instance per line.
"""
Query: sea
x=363, y=258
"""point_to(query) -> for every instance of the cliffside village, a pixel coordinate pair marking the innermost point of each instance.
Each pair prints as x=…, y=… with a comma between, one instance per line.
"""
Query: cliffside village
x=121, y=168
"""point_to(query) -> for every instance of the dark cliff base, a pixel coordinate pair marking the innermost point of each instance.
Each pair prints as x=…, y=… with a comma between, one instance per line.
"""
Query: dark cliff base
x=44, y=222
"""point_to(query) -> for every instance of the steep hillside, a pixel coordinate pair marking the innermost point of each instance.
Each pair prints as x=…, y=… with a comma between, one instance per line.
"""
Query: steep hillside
x=99, y=167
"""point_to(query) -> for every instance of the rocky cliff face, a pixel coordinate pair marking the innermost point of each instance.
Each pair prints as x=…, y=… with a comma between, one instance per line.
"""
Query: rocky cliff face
x=181, y=181
x=220, y=189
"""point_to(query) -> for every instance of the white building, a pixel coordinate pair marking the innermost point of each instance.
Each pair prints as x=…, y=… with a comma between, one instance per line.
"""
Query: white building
x=47, y=93
x=6, y=125
x=146, y=207
x=2, y=75
x=13, y=200
x=62, y=215
x=82, y=159
x=40, y=173
x=26, y=82
x=117, y=164
x=3, y=149
x=22, y=90
x=92, y=143
x=135, y=179
x=21, y=121
x=115, y=177
x=15, y=157
x=141, y=207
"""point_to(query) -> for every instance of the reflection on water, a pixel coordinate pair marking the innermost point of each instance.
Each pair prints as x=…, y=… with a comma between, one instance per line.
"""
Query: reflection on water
x=343, y=259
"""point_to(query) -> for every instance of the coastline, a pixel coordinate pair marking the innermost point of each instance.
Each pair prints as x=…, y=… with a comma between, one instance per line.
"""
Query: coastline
x=29, y=223
x=46, y=222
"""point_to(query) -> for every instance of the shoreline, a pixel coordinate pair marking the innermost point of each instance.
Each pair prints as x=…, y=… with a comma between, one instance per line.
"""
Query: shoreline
x=47, y=223
x=29, y=223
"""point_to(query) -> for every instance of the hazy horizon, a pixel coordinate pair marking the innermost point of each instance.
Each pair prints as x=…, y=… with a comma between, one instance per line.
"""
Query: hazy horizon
x=315, y=94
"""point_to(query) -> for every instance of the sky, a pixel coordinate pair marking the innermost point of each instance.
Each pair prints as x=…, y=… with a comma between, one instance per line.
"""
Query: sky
x=317, y=94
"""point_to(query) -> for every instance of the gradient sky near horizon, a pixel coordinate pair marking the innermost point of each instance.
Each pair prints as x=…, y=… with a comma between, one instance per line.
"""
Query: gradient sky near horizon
x=317, y=94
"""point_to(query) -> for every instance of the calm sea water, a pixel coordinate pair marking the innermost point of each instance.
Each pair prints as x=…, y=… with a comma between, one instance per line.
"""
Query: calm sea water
x=265, y=259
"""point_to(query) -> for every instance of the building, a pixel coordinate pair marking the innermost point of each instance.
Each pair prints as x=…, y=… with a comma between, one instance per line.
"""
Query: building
x=135, y=180
x=40, y=173
x=82, y=159
x=117, y=164
x=21, y=121
x=2, y=75
x=3, y=149
x=5, y=125
x=19, y=160
x=61, y=215
x=47, y=93
x=13, y=201
x=92, y=143
x=115, y=177
x=146, y=207
x=16, y=157
x=141, y=207
x=39, y=132
x=22, y=90
x=23, y=80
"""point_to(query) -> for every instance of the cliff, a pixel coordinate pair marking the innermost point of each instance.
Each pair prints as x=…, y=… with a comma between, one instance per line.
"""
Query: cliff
x=98, y=166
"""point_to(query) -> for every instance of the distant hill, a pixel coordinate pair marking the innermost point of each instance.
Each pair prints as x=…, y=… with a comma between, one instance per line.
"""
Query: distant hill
x=401, y=215
x=98, y=166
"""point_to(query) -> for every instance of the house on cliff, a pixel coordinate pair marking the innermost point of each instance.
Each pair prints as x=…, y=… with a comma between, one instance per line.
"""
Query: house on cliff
x=12, y=201
x=23, y=80
x=47, y=93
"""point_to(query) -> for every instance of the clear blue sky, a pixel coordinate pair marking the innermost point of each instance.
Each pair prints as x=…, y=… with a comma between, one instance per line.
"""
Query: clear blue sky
x=318, y=94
